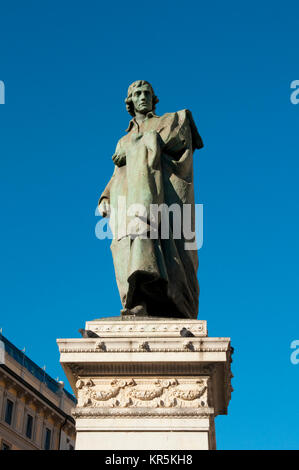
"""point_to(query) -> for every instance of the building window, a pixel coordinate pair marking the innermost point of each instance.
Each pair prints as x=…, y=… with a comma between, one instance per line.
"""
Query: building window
x=8, y=411
x=47, y=443
x=29, y=426
x=5, y=446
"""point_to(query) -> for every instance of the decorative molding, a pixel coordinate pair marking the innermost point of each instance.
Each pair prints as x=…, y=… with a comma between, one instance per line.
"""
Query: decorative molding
x=143, y=392
x=142, y=412
x=144, y=368
x=185, y=348
x=142, y=327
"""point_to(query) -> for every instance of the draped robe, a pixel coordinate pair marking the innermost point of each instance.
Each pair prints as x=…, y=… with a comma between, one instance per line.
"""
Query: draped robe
x=156, y=158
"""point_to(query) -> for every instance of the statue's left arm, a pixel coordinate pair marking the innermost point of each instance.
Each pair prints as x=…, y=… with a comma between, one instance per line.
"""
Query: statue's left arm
x=179, y=133
x=197, y=142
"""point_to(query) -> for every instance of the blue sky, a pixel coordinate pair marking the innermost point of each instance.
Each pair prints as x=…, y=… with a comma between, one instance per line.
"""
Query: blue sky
x=66, y=67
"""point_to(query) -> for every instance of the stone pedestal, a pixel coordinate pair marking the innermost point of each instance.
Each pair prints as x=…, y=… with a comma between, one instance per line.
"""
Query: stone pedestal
x=141, y=385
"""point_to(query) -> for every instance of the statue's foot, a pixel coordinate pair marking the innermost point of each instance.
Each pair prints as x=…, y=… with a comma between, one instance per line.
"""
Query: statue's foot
x=138, y=311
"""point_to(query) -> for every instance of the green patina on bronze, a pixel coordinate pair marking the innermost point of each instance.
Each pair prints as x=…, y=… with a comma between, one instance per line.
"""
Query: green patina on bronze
x=154, y=165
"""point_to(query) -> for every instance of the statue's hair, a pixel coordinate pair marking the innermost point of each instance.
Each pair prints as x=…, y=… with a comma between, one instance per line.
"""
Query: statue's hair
x=128, y=100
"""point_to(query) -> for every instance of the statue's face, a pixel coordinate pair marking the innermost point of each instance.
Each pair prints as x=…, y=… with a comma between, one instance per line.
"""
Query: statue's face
x=142, y=98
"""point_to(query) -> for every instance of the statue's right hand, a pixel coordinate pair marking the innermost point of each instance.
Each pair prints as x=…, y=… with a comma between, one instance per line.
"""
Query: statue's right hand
x=104, y=207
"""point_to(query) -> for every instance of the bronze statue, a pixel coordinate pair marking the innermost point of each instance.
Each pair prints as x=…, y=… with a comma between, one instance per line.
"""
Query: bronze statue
x=156, y=275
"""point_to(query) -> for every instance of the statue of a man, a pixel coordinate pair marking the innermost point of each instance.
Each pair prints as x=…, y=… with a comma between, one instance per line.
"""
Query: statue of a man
x=156, y=275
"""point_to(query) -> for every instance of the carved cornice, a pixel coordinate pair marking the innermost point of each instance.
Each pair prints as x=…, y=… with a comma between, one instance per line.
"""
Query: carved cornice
x=101, y=347
x=150, y=368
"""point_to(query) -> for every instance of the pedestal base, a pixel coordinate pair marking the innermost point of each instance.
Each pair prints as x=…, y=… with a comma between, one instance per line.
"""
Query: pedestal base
x=141, y=385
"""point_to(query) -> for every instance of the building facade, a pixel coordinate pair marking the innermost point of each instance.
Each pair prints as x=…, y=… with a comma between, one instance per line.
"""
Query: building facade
x=35, y=409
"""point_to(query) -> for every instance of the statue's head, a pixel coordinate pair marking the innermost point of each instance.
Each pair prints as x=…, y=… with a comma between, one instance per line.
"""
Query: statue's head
x=141, y=98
